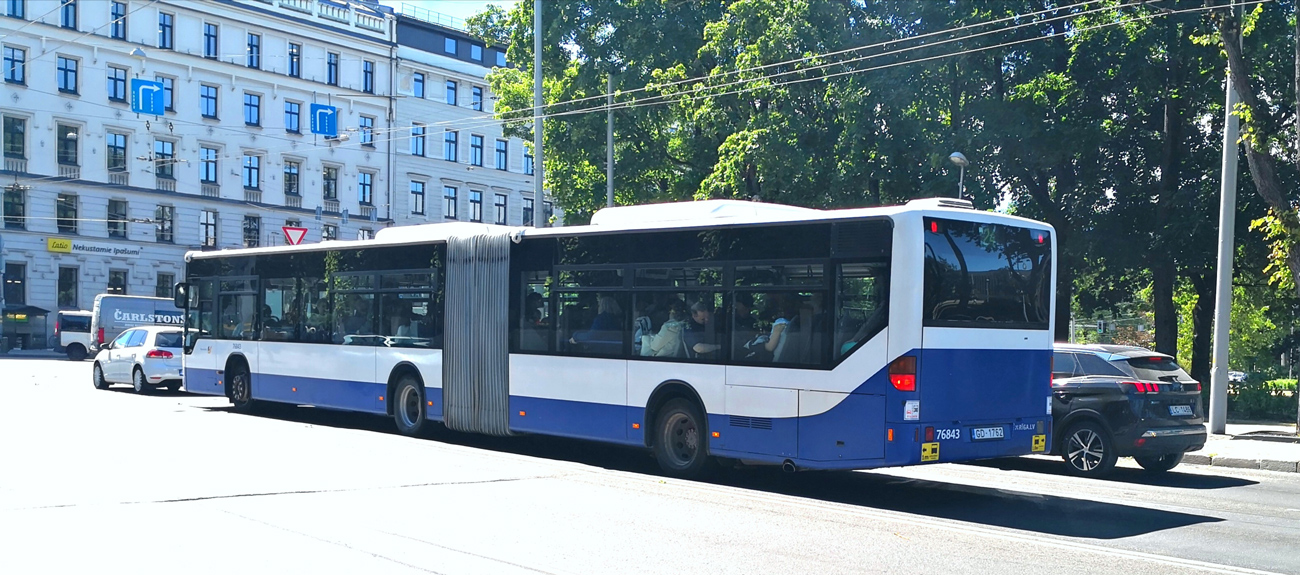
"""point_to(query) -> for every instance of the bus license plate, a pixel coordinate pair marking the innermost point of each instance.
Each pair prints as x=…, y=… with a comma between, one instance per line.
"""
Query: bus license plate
x=1180, y=410
x=986, y=433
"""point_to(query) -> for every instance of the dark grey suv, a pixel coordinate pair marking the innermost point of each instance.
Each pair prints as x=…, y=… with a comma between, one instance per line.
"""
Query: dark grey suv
x=1113, y=401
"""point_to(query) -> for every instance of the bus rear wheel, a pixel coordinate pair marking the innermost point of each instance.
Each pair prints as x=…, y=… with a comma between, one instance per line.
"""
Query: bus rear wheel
x=681, y=446
x=408, y=406
x=240, y=388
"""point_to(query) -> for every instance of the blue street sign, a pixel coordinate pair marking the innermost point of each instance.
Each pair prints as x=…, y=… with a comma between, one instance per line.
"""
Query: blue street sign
x=146, y=97
x=325, y=120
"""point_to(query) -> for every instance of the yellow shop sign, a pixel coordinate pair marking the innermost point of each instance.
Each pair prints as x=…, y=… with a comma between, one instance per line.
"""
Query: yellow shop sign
x=61, y=245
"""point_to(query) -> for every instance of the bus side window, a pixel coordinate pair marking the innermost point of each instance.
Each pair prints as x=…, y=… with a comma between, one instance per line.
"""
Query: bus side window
x=535, y=315
x=863, y=295
x=315, y=311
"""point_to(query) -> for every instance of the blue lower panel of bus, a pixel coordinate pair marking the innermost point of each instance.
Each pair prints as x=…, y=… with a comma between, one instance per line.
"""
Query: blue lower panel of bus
x=579, y=419
x=206, y=381
x=333, y=393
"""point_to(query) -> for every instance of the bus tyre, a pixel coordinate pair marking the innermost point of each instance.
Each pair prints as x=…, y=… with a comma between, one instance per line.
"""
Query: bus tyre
x=137, y=381
x=680, y=444
x=408, y=406
x=240, y=388
x=1160, y=463
x=1087, y=450
x=76, y=352
x=97, y=378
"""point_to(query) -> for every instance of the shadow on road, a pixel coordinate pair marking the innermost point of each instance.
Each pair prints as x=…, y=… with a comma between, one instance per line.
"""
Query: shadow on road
x=1034, y=512
x=1122, y=474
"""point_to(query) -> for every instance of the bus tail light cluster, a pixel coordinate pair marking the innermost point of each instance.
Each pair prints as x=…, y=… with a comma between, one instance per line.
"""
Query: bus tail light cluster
x=902, y=373
x=159, y=354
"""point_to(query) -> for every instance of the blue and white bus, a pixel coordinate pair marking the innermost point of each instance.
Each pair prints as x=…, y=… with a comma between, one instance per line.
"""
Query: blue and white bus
x=757, y=333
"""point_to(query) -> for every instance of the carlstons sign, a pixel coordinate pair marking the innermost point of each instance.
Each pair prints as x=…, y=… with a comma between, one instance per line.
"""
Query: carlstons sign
x=70, y=246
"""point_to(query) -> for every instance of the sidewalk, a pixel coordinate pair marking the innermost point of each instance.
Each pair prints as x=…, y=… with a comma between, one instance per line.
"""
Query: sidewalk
x=1251, y=446
x=34, y=353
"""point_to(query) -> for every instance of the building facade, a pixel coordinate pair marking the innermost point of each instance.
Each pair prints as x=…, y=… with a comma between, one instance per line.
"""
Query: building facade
x=100, y=199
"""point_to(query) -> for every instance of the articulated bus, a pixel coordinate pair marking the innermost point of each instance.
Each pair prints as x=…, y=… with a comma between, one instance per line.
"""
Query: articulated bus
x=747, y=332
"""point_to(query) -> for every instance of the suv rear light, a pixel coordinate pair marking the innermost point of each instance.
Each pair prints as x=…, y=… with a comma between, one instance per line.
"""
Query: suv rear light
x=1191, y=386
x=1141, y=387
x=159, y=354
x=902, y=373
x=99, y=338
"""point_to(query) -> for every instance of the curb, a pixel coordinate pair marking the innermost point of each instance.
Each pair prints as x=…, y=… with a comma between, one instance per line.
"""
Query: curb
x=1242, y=463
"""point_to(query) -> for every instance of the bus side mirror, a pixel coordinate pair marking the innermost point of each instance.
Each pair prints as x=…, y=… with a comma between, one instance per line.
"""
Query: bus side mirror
x=181, y=295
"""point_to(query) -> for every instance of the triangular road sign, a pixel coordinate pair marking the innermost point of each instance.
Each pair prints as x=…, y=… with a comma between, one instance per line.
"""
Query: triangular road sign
x=294, y=235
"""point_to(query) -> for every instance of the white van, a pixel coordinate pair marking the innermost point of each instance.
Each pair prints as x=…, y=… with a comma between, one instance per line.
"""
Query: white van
x=114, y=314
x=72, y=333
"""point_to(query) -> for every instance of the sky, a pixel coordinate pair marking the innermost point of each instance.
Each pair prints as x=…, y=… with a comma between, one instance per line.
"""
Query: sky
x=456, y=8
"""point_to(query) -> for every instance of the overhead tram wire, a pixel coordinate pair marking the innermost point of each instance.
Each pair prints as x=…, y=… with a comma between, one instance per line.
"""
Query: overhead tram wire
x=33, y=21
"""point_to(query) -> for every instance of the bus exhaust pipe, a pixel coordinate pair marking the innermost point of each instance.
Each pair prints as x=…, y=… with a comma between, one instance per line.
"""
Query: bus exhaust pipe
x=789, y=467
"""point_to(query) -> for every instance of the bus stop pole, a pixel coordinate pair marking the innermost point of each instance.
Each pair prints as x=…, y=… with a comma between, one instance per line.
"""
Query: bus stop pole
x=1223, y=284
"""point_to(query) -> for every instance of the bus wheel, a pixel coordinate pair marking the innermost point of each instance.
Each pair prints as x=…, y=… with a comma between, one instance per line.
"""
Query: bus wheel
x=1087, y=450
x=98, y=378
x=241, y=389
x=76, y=352
x=680, y=445
x=408, y=406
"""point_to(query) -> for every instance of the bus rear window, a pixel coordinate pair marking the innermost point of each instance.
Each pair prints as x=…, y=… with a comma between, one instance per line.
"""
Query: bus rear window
x=982, y=275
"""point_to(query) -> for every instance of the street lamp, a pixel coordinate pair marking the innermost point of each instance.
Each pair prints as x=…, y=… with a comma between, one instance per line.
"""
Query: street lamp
x=961, y=161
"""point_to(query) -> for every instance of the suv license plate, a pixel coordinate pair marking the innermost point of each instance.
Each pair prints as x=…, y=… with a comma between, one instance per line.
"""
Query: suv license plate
x=986, y=433
x=1183, y=410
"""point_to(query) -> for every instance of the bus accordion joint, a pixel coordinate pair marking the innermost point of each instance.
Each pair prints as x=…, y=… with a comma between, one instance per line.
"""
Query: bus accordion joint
x=902, y=373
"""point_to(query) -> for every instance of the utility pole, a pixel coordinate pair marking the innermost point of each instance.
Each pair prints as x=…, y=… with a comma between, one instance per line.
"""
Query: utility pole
x=539, y=198
x=1223, y=284
x=609, y=141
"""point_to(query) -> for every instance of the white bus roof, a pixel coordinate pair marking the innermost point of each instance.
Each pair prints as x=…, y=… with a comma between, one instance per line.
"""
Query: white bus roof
x=645, y=217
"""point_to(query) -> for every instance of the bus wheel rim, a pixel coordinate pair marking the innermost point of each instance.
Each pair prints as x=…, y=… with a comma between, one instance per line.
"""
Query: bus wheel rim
x=409, y=406
x=683, y=439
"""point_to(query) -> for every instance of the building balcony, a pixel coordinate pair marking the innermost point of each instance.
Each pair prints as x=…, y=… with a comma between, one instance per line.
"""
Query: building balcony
x=70, y=171
x=332, y=206
x=367, y=211
x=16, y=164
x=254, y=196
x=119, y=178
x=292, y=201
x=210, y=190
x=165, y=184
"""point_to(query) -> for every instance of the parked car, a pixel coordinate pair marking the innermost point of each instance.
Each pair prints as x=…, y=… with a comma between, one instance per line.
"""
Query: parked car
x=113, y=314
x=145, y=357
x=72, y=334
x=1113, y=401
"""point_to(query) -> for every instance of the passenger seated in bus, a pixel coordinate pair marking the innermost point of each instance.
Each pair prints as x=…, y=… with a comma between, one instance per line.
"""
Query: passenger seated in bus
x=670, y=341
x=702, y=331
x=771, y=346
x=534, y=306
x=746, y=327
x=606, y=333
x=641, y=326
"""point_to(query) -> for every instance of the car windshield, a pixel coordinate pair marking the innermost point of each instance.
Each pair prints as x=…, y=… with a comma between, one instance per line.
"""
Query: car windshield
x=168, y=339
x=1156, y=369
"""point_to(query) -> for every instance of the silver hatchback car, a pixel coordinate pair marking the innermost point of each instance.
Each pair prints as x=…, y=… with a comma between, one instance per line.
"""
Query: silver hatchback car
x=146, y=357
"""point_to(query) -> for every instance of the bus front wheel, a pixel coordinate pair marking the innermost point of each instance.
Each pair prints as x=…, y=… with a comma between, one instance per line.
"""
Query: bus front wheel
x=680, y=444
x=240, y=385
x=408, y=406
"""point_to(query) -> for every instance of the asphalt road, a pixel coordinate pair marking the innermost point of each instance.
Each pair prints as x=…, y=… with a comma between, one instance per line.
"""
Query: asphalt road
x=108, y=481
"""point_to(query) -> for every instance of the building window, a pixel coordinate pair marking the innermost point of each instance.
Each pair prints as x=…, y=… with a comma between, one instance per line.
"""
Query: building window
x=500, y=204
x=164, y=285
x=291, y=116
x=117, y=282
x=528, y=162
x=166, y=31
x=417, y=85
x=417, y=198
x=15, y=137
x=15, y=208
x=528, y=212
x=365, y=234
x=15, y=65
x=295, y=60
x=450, y=148
x=68, y=287
x=475, y=150
x=330, y=182
x=365, y=187
x=210, y=45
x=115, y=146
x=252, y=172
x=167, y=84
x=329, y=232
x=476, y=52
x=252, y=231
x=503, y=154
x=450, y=46
x=17, y=8
x=367, y=131
x=67, y=75
x=208, y=101
x=117, y=218
x=164, y=158
x=291, y=223
x=451, y=92
x=65, y=213
x=67, y=145
x=116, y=84
x=417, y=140
x=501, y=58
x=549, y=210
x=449, y=202
x=252, y=109
x=164, y=219
x=208, y=165
x=291, y=178
x=476, y=101
x=117, y=25
x=68, y=14
x=255, y=51
x=208, y=228
x=15, y=283
x=332, y=69
x=368, y=77
x=475, y=206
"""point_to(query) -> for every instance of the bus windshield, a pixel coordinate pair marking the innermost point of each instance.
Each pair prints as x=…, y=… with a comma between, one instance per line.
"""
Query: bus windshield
x=981, y=275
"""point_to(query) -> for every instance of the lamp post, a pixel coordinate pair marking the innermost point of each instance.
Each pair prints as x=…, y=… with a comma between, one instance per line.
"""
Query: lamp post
x=961, y=161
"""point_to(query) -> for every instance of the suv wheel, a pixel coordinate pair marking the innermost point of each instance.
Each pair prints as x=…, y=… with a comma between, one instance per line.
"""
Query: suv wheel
x=1087, y=450
x=1160, y=463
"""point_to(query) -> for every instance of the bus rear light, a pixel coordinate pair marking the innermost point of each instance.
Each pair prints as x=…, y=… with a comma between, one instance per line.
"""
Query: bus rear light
x=929, y=434
x=891, y=434
x=158, y=354
x=902, y=373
